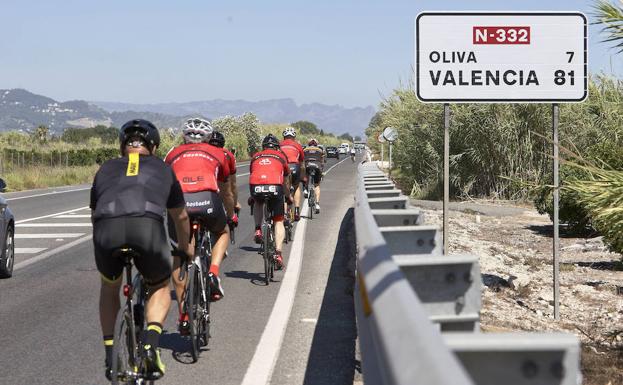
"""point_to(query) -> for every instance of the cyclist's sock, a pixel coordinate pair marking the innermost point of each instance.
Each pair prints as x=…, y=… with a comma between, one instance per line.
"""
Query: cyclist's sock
x=152, y=334
x=108, y=342
x=214, y=269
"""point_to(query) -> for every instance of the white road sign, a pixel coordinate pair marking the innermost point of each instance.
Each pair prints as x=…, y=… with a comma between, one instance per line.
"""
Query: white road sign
x=501, y=57
x=390, y=134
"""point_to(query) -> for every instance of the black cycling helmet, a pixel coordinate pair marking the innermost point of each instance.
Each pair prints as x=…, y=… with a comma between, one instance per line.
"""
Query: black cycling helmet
x=217, y=139
x=141, y=128
x=270, y=141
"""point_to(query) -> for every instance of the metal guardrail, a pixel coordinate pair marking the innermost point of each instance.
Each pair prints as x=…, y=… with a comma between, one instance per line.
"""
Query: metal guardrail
x=418, y=310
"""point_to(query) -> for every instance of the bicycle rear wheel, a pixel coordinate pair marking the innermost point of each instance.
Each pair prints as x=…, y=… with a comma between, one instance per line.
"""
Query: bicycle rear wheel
x=192, y=307
x=266, y=252
x=311, y=202
x=125, y=359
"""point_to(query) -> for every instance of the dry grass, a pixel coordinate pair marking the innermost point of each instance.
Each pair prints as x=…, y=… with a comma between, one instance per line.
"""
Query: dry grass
x=602, y=368
x=41, y=177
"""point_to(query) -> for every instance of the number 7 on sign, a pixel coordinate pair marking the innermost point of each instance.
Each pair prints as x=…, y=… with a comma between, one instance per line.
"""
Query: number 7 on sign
x=570, y=53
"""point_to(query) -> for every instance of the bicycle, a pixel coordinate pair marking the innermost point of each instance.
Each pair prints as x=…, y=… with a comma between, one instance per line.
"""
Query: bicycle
x=311, y=199
x=197, y=290
x=267, y=248
x=127, y=360
x=289, y=219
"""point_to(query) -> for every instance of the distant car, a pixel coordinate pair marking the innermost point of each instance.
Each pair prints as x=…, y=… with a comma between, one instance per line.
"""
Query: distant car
x=7, y=236
x=343, y=150
x=332, y=152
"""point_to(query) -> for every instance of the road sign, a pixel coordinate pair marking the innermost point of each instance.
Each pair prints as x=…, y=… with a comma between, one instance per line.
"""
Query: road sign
x=381, y=138
x=390, y=134
x=501, y=57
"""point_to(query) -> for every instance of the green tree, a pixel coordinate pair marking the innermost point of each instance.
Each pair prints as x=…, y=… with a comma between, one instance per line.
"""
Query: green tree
x=41, y=133
x=346, y=136
x=611, y=17
x=357, y=138
x=305, y=127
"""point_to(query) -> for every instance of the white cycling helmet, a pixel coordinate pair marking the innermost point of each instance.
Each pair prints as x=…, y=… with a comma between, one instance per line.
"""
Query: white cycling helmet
x=289, y=131
x=197, y=130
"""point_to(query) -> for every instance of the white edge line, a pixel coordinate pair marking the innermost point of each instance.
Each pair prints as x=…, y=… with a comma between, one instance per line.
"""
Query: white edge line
x=50, y=253
x=50, y=193
x=260, y=369
x=51, y=215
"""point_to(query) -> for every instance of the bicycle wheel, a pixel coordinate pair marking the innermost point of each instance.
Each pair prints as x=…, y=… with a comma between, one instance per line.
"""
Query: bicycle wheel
x=193, y=294
x=266, y=252
x=125, y=360
x=273, y=248
x=311, y=202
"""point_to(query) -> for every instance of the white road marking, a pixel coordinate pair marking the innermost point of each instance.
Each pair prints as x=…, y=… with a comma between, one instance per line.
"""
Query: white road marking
x=331, y=168
x=237, y=175
x=48, y=235
x=309, y=320
x=64, y=224
x=263, y=362
x=74, y=216
x=52, y=215
x=29, y=250
x=50, y=193
x=50, y=253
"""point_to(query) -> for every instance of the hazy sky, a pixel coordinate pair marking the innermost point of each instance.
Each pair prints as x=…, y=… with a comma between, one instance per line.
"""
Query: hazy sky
x=347, y=52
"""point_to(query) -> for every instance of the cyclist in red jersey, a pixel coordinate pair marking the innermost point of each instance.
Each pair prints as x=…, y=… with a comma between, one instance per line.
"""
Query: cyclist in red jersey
x=203, y=174
x=296, y=156
x=269, y=167
x=217, y=139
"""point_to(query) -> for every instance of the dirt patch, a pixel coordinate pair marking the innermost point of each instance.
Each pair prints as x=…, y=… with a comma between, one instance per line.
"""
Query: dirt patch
x=515, y=254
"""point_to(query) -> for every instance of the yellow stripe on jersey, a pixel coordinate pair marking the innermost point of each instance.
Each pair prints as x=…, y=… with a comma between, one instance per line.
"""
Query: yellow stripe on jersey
x=133, y=164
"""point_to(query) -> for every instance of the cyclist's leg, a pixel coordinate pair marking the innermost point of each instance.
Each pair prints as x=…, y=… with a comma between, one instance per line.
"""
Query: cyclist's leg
x=105, y=239
x=280, y=232
x=148, y=238
x=258, y=214
x=217, y=224
x=178, y=284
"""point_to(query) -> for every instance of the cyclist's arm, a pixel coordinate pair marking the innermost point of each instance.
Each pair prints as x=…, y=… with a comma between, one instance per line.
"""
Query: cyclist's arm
x=182, y=228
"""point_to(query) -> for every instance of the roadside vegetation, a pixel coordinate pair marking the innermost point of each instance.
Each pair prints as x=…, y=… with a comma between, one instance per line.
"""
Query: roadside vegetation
x=39, y=159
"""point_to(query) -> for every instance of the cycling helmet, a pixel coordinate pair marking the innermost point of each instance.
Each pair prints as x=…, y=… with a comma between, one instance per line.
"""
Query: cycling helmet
x=289, y=131
x=196, y=130
x=312, y=142
x=270, y=141
x=217, y=139
x=141, y=128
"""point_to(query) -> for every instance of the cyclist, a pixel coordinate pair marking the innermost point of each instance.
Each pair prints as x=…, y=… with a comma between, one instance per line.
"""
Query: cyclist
x=314, y=164
x=128, y=200
x=202, y=171
x=295, y=155
x=352, y=154
x=269, y=167
x=217, y=139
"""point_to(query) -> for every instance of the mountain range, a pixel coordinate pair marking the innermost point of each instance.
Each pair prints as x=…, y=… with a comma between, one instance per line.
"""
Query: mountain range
x=23, y=110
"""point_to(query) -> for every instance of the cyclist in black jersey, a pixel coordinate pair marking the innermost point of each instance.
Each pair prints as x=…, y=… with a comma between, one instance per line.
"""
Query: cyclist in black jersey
x=314, y=166
x=129, y=198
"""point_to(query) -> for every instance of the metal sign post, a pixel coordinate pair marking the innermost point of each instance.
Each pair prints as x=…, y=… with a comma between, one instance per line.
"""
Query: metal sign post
x=556, y=245
x=390, y=134
x=446, y=175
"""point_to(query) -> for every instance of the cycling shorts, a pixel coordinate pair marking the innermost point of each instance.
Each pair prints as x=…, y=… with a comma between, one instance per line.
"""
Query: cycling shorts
x=145, y=235
x=206, y=207
x=314, y=174
x=274, y=194
x=295, y=174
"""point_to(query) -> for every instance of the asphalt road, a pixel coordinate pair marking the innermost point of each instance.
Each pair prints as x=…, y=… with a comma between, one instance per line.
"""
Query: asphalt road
x=49, y=328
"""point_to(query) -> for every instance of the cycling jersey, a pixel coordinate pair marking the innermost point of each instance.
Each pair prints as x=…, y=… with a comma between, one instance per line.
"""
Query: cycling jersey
x=198, y=166
x=144, y=187
x=268, y=167
x=293, y=150
x=314, y=154
x=129, y=198
x=231, y=161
